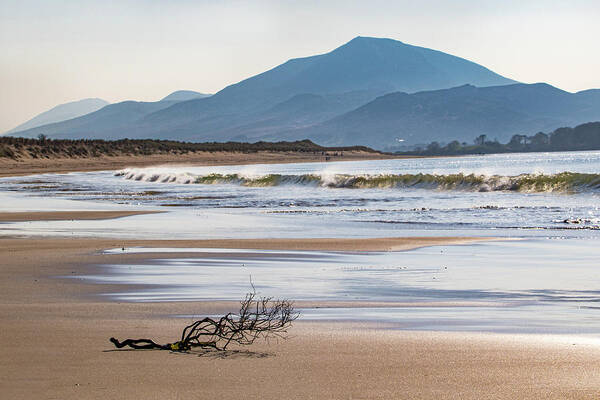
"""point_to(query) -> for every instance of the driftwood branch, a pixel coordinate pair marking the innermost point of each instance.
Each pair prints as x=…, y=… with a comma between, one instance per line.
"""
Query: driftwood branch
x=261, y=317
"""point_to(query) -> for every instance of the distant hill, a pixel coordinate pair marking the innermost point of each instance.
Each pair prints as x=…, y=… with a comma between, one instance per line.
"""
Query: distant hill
x=460, y=113
x=111, y=122
x=184, y=95
x=288, y=96
x=582, y=137
x=62, y=112
x=27, y=149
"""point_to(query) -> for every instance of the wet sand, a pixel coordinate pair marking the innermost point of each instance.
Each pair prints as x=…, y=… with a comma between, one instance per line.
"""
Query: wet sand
x=9, y=167
x=67, y=215
x=55, y=345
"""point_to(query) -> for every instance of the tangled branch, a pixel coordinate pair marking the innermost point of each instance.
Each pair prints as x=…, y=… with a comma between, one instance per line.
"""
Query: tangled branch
x=258, y=318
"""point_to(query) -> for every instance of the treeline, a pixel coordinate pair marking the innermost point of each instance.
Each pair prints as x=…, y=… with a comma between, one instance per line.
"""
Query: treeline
x=17, y=148
x=582, y=137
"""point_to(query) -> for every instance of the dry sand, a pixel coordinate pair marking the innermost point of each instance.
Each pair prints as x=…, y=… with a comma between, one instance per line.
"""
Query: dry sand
x=9, y=167
x=55, y=345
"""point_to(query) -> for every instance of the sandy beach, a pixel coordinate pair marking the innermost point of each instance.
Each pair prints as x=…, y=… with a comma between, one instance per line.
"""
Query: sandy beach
x=56, y=331
x=285, y=200
x=56, y=334
x=29, y=166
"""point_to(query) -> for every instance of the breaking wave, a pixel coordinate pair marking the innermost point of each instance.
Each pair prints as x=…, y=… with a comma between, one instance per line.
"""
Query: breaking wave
x=561, y=182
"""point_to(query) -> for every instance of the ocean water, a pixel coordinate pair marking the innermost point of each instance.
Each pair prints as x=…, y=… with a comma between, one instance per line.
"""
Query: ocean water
x=507, y=195
x=543, y=278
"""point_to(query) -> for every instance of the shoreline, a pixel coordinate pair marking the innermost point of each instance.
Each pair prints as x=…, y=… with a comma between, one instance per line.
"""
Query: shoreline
x=38, y=261
x=10, y=168
x=61, y=260
x=33, y=264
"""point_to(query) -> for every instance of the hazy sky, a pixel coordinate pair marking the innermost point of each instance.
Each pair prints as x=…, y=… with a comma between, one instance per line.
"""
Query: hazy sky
x=55, y=51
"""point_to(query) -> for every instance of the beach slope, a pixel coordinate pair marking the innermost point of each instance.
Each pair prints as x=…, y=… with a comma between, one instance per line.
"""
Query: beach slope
x=55, y=345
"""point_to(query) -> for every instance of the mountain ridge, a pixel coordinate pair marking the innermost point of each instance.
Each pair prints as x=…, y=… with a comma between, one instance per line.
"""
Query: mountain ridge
x=370, y=66
x=62, y=112
x=459, y=113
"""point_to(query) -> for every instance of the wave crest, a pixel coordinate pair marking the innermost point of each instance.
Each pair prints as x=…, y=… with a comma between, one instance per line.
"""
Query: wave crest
x=561, y=182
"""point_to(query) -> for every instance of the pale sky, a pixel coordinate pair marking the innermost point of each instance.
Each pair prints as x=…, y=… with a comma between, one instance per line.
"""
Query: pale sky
x=55, y=51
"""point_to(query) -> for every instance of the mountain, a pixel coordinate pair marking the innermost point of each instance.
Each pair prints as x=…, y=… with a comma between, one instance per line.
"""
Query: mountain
x=300, y=111
x=370, y=66
x=591, y=96
x=62, y=112
x=343, y=79
x=460, y=113
x=111, y=122
x=363, y=64
x=184, y=95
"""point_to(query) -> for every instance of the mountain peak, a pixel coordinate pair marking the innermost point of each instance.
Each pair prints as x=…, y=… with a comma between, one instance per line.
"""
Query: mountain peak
x=183, y=95
x=373, y=39
x=371, y=42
